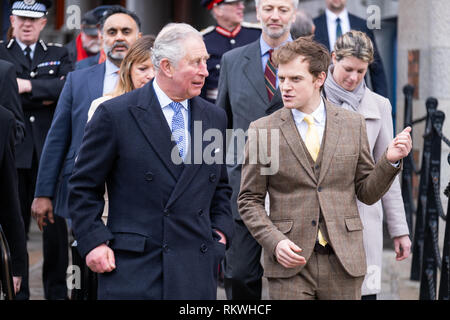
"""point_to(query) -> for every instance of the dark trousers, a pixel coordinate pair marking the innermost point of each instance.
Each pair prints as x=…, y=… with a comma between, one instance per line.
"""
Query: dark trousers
x=27, y=184
x=56, y=259
x=243, y=270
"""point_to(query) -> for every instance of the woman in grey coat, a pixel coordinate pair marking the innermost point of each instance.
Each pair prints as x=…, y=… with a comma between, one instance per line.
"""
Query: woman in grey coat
x=345, y=86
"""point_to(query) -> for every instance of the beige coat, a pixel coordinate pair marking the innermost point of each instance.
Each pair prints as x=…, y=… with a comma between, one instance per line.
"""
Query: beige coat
x=376, y=110
x=297, y=196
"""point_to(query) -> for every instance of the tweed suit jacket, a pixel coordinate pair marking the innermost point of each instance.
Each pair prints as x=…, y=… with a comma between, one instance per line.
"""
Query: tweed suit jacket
x=297, y=196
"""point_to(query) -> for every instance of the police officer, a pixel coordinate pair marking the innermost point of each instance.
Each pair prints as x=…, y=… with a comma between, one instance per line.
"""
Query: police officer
x=230, y=32
x=40, y=70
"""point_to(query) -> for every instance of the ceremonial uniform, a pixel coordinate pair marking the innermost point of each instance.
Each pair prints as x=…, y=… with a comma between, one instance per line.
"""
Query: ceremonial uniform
x=218, y=41
x=47, y=72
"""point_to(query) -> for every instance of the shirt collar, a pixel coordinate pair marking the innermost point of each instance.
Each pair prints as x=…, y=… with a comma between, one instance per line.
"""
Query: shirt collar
x=110, y=68
x=163, y=99
x=23, y=45
x=331, y=16
x=318, y=114
x=265, y=47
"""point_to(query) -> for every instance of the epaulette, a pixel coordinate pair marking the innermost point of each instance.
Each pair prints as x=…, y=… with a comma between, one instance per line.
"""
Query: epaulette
x=44, y=46
x=10, y=43
x=51, y=44
x=207, y=30
x=251, y=25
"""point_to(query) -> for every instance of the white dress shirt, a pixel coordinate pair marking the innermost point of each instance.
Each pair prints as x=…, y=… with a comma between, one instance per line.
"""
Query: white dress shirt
x=168, y=112
x=331, y=25
x=111, y=77
x=23, y=46
x=320, y=117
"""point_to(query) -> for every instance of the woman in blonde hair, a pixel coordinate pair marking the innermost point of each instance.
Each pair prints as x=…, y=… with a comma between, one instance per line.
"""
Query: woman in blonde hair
x=135, y=71
x=345, y=86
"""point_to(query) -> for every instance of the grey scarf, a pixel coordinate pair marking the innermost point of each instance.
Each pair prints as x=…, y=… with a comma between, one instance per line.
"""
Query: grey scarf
x=349, y=100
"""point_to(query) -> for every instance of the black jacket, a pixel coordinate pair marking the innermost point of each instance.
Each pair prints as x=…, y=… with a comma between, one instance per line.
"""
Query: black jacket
x=9, y=97
x=10, y=217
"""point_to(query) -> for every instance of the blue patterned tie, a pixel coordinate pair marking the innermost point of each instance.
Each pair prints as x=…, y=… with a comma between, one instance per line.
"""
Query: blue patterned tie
x=178, y=132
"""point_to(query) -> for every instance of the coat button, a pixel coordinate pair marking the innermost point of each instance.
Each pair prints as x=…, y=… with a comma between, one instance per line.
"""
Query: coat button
x=232, y=41
x=212, y=177
x=319, y=189
x=33, y=74
x=32, y=119
x=314, y=223
x=166, y=212
x=165, y=248
x=149, y=176
x=203, y=248
x=217, y=66
x=317, y=167
x=200, y=212
x=51, y=72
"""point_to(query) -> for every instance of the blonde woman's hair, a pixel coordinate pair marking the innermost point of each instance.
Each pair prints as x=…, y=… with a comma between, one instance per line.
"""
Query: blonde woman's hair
x=354, y=44
x=139, y=52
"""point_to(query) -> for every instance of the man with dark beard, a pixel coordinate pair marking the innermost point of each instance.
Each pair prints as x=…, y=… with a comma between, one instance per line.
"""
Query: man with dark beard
x=120, y=28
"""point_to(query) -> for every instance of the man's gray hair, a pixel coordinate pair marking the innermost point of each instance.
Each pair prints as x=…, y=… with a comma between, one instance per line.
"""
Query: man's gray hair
x=169, y=43
x=294, y=3
x=303, y=25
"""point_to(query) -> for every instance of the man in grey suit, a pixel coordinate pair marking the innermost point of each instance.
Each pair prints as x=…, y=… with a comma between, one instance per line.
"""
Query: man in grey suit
x=247, y=89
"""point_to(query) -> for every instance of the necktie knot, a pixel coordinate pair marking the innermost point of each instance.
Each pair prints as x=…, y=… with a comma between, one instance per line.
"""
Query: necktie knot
x=27, y=50
x=309, y=120
x=338, y=20
x=176, y=106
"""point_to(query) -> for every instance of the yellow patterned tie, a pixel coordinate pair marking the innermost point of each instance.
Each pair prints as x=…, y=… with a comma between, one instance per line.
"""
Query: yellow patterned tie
x=312, y=143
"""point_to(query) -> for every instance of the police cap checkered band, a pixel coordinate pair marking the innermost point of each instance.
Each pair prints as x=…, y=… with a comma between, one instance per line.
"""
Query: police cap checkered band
x=30, y=8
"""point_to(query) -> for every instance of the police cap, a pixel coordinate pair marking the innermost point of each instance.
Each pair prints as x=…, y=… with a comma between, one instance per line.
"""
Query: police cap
x=30, y=8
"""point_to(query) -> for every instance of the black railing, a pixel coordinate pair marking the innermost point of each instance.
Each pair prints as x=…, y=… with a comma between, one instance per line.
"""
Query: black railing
x=426, y=257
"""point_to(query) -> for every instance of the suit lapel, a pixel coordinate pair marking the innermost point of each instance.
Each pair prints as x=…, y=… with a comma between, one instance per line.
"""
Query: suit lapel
x=151, y=121
x=292, y=136
x=332, y=133
x=191, y=167
x=252, y=70
x=95, y=81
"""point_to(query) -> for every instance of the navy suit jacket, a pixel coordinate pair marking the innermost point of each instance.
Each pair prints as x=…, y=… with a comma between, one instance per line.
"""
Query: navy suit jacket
x=65, y=134
x=376, y=69
x=161, y=215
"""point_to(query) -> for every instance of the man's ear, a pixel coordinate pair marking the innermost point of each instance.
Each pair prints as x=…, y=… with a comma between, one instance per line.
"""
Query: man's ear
x=320, y=80
x=166, y=67
x=139, y=35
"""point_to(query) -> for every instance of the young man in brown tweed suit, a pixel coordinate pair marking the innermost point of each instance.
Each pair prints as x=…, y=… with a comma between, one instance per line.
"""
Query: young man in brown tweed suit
x=313, y=237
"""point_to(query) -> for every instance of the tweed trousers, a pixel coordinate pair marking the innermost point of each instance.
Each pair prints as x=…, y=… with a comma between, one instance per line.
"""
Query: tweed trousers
x=322, y=278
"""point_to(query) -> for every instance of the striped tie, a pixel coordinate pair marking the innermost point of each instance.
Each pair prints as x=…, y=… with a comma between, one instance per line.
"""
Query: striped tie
x=270, y=77
x=178, y=132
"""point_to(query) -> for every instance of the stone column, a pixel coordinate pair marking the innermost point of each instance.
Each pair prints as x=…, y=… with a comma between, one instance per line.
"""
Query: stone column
x=424, y=26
